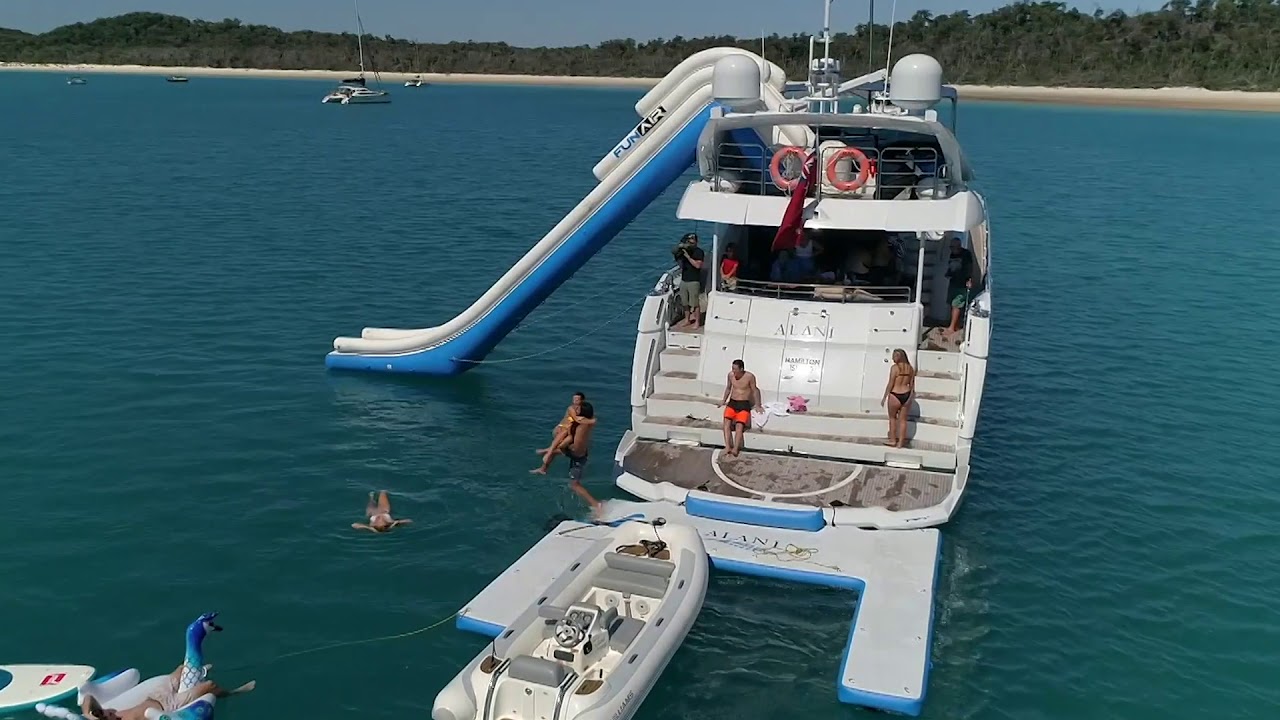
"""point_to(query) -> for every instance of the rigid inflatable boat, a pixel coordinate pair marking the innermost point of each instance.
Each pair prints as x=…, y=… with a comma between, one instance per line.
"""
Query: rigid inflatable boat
x=592, y=645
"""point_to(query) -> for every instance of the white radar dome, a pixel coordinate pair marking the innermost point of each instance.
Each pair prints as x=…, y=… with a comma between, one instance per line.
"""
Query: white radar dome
x=916, y=82
x=735, y=80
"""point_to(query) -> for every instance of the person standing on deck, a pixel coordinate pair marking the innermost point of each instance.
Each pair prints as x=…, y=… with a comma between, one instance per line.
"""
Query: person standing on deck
x=741, y=395
x=959, y=283
x=899, y=391
x=690, y=257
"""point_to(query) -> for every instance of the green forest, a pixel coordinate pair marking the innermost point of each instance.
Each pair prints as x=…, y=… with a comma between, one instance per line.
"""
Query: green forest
x=1217, y=44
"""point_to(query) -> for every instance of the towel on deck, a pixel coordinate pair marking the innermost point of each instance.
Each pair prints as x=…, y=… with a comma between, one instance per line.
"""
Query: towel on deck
x=760, y=417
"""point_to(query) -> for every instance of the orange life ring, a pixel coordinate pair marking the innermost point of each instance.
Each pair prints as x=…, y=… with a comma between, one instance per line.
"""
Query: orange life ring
x=864, y=169
x=775, y=166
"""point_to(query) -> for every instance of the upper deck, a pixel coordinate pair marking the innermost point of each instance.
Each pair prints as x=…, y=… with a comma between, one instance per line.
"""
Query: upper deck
x=916, y=177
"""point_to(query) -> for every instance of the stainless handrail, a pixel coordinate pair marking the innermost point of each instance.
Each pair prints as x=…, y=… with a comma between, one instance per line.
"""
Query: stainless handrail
x=899, y=171
x=823, y=292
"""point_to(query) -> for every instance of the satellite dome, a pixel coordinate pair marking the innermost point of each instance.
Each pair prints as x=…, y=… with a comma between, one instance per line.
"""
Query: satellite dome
x=916, y=82
x=735, y=80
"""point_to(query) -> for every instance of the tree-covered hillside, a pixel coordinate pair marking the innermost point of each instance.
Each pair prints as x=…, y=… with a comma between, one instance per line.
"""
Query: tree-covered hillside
x=1220, y=44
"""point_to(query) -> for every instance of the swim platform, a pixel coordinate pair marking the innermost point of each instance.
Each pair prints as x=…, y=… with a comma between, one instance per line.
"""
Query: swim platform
x=886, y=658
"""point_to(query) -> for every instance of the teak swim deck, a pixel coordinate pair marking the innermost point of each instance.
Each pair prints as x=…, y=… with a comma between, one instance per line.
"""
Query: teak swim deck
x=885, y=664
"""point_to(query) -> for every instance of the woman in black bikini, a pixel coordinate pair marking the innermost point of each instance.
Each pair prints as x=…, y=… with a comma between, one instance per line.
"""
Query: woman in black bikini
x=898, y=392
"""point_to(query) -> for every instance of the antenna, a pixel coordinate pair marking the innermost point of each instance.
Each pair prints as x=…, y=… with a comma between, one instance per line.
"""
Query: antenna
x=888, y=58
x=871, y=31
x=826, y=30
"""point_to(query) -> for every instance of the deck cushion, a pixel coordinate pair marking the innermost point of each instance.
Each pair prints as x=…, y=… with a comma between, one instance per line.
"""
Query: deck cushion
x=629, y=582
x=537, y=671
x=645, y=565
x=623, y=633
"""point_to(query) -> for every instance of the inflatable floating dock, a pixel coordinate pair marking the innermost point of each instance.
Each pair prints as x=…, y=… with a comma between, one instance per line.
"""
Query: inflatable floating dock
x=885, y=664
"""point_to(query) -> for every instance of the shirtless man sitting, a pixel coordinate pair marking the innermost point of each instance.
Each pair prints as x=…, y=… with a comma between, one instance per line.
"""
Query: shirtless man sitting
x=166, y=700
x=741, y=396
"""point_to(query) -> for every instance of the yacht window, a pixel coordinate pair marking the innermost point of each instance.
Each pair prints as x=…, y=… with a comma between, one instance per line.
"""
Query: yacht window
x=828, y=264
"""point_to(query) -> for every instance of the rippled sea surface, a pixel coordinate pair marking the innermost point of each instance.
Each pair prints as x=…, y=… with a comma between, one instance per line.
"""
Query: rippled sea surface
x=176, y=260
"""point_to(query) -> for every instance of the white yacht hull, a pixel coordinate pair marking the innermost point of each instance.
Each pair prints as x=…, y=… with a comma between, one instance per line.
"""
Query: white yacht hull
x=373, y=97
x=643, y=608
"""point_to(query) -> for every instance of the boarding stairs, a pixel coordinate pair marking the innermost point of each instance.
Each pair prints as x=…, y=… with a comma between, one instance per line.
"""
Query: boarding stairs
x=679, y=407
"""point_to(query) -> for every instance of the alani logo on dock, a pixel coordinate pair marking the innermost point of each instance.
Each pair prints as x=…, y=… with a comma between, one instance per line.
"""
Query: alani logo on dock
x=746, y=542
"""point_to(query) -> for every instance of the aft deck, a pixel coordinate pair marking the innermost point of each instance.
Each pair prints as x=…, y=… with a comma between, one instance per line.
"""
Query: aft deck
x=788, y=479
x=824, y=464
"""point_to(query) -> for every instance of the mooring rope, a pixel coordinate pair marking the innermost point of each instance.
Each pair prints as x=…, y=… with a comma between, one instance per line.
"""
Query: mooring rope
x=562, y=346
x=347, y=643
x=555, y=313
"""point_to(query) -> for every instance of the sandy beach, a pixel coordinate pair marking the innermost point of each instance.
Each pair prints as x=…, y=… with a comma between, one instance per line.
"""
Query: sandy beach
x=1183, y=98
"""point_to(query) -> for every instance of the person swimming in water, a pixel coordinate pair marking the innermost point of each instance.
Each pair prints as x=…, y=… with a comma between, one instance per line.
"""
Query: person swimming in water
x=166, y=700
x=379, y=512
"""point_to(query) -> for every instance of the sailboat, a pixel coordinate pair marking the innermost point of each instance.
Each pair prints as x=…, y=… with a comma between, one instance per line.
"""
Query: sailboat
x=75, y=79
x=353, y=91
x=416, y=80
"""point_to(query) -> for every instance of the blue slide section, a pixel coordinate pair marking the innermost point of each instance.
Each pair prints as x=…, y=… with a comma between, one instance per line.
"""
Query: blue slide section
x=460, y=353
x=751, y=146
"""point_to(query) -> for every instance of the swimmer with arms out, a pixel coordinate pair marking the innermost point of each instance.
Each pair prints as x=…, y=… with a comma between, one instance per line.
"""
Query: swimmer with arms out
x=379, y=512
x=166, y=700
x=741, y=396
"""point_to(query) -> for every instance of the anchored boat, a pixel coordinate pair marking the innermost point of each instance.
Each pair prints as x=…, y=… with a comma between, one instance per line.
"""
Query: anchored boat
x=889, y=217
x=355, y=91
x=867, y=169
x=593, y=643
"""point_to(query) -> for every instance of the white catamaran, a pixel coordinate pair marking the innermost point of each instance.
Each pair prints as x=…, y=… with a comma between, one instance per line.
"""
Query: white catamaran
x=354, y=91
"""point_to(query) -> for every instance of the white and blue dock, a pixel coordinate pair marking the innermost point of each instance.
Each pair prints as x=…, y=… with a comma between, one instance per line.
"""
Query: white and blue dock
x=885, y=663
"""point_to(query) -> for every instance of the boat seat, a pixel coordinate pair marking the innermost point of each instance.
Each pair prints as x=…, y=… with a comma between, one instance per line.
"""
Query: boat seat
x=645, y=565
x=537, y=671
x=632, y=575
x=608, y=618
x=629, y=582
x=624, y=632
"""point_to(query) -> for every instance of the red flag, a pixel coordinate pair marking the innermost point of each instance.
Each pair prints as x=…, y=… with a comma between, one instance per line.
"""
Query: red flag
x=792, y=225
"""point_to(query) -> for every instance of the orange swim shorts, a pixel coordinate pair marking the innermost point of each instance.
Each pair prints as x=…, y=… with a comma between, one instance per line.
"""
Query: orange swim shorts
x=738, y=411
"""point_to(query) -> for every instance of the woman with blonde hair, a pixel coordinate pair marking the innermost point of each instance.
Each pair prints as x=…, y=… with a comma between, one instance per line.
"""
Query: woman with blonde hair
x=898, y=393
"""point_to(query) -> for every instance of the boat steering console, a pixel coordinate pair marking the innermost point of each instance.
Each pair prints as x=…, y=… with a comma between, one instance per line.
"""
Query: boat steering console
x=575, y=626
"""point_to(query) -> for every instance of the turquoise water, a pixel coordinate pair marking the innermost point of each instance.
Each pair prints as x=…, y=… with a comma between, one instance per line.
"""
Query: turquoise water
x=178, y=258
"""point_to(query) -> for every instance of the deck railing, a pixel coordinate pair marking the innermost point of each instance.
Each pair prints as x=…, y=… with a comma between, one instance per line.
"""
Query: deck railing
x=822, y=293
x=901, y=173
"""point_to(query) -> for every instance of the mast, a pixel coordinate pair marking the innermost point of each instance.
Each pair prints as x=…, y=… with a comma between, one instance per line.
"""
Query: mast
x=359, y=36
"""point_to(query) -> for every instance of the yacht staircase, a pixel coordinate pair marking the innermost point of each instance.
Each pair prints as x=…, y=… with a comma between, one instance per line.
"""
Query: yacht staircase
x=679, y=407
